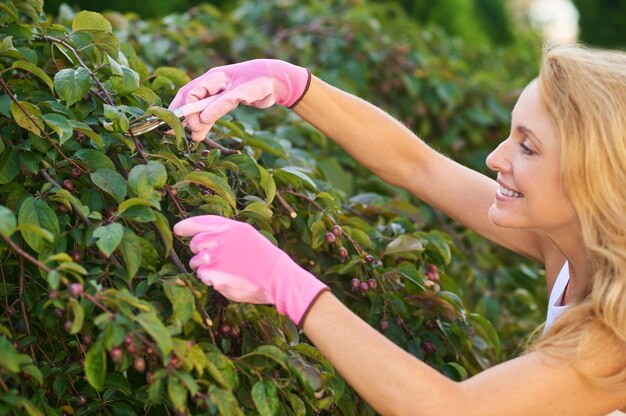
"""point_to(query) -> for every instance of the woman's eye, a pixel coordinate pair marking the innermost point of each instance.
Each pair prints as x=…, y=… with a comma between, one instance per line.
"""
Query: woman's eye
x=525, y=149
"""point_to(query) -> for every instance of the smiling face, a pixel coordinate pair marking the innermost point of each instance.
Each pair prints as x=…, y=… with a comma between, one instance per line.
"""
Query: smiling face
x=531, y=192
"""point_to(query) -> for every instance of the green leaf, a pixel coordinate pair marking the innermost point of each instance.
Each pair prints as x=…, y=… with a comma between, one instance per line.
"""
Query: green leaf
x=67, y=198
x=54, y=278
x=12, y=12
x=96, y=365
x=127, y=83
x=269, y=351
x=222, y=370
x=110, y=182
x=170, y=119
x=265, y=397
x=294, y=176
x=79, y=316
x=267, y=184
x=116, y=68
x=31, y=120
x=177, y=394
x=153, y=325
x=226, y=403
x=176, y=75
x=9, y=357
x=31, y=8
x=438, y=248
x=299, y=409
x=36, y=214
x=182, y=301
x=189, y=382
x=35, y=70
x=405, y=246
x=132, y=202
x=318, y=234
x=266, y=143
x=91, y=22
x=216, y=183
x=94, y=159
x=106, y=42
x=131, y=252
x=258, y=210
x=9, y=166
x=487, y=329
x=108, y=237
x=165, y=230
x=71, y=84
x=8, y=222
x=60, y=125
x=139, y=213
x=144, y=179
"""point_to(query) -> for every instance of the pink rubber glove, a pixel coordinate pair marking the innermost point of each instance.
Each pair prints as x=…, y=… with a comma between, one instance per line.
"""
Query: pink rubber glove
x=243, y=265
x=260, y=83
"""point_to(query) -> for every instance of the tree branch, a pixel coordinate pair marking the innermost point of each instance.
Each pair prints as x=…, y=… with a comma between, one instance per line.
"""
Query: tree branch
x=22, y=285
x=20, y=252
x=108, y=99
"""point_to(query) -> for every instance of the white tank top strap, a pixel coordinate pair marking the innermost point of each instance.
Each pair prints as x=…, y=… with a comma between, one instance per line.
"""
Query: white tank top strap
x=556, y=295
x=555, y=304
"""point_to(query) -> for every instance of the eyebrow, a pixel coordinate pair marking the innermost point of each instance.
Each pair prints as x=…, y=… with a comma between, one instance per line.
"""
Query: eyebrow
x=525, y=130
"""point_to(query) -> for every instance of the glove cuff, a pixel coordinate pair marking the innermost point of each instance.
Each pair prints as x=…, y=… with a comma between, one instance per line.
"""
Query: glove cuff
x=295, y=289
x=304, y=90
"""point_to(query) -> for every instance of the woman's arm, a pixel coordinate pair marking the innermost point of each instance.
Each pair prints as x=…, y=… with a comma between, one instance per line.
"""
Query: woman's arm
x=395, y=154
x=396, y=383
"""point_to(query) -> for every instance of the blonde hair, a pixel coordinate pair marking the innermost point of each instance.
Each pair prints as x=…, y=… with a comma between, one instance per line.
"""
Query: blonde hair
x=584, y=91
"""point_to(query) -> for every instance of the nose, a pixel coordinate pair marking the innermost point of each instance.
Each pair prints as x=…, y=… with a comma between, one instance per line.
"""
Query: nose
x=498, y=160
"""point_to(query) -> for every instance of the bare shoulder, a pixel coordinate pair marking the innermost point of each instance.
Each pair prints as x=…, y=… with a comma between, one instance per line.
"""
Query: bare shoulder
x=538, y=384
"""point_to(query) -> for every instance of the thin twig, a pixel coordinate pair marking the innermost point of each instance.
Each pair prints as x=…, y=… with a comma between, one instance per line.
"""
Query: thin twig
x=285, y=204
x=214, y=145
x=179, y=207
x=109, y=100
x=25, y=255
x=21, y=288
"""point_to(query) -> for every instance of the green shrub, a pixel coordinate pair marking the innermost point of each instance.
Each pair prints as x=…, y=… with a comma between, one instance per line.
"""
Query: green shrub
x=101, y=314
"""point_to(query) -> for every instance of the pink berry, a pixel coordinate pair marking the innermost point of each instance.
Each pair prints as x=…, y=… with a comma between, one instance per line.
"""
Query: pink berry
x=432, y=276
x=116, y=354
x=76, y=289
x=372, y=284
x=364, y=287
x=337, y=230
x=140, y=364
x=429, y=348
x=384, y=325
x=330, y=238
x=356, y=283
x=343, y=253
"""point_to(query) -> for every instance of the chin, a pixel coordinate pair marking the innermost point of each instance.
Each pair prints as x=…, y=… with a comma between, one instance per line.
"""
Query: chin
x=500, y=219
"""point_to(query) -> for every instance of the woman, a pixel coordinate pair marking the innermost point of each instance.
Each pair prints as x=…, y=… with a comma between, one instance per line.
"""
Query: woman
x=559, y=198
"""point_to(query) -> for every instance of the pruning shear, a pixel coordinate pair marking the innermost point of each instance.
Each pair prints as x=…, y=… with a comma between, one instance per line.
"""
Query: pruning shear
x=148, y=123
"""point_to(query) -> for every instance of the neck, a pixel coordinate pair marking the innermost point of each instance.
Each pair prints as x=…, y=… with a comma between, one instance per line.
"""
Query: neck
x=580, y=270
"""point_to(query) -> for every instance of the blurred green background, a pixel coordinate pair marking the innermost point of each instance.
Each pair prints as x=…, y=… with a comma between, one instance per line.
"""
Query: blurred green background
x=601, y=22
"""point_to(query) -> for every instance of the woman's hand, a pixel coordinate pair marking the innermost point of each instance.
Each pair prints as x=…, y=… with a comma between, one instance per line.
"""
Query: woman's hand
x=260, y=83
x=243, y=265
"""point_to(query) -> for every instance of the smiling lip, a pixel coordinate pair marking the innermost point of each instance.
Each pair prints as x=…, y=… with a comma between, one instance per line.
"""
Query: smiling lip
x=505, y=193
